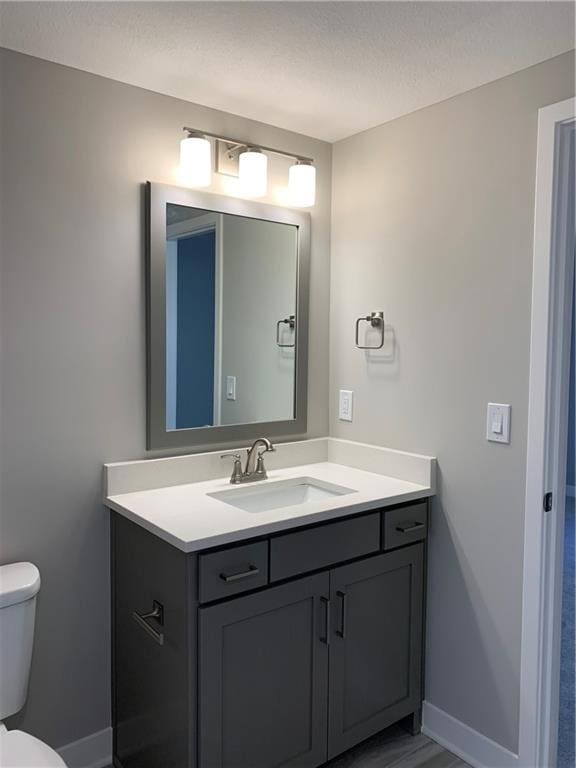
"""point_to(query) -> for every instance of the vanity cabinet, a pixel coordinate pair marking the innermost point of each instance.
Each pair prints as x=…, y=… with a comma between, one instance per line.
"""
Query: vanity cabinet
x=284, y=650
x=263, y=678
x=376, y=648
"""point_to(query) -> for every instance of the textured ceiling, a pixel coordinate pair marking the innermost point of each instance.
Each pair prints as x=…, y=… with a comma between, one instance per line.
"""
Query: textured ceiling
x=326, y=69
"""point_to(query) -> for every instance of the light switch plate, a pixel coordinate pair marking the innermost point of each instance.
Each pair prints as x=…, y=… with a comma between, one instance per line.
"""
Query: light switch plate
x=345, y=405
x=230, y=387
x=498, y=423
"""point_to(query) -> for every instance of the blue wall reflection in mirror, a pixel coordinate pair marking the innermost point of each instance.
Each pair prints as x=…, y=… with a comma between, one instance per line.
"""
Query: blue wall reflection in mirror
x=191, y=285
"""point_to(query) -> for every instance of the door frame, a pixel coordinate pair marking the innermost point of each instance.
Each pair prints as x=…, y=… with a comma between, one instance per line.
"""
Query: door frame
x=552, y=290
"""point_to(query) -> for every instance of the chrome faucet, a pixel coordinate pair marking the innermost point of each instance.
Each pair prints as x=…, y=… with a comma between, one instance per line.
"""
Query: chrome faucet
x=254, y=469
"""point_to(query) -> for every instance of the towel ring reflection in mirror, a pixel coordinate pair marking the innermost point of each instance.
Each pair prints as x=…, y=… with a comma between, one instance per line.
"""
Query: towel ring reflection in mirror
x=291, y=323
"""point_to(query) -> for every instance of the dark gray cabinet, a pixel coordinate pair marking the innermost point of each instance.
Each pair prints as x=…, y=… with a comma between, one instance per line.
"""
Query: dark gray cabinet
x=263, y=678
x=375, y=677
x=151, y=706
x=283, y=650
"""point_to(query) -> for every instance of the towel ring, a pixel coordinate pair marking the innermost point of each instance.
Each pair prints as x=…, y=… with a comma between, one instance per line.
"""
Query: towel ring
x=376, y=320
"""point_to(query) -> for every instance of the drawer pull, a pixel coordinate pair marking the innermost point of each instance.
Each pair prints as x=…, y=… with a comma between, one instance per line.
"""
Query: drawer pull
x=342, y=631
x=326, y=638
x=409, y=527
x=229, y=577
x=157, y=613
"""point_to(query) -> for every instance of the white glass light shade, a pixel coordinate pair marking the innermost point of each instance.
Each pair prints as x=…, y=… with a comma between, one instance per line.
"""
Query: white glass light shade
x=252, y=173
x=302, y=185
x=196, y=161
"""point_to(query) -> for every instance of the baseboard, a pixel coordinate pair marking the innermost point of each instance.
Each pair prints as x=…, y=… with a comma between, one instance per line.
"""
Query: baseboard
x=94, y=751
x=475, y=749
x=571, y=490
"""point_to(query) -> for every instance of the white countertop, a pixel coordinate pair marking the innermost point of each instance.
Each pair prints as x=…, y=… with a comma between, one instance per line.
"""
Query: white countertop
x=185, y=516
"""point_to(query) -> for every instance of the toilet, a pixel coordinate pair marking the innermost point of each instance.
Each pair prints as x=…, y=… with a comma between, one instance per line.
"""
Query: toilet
x=19, y=585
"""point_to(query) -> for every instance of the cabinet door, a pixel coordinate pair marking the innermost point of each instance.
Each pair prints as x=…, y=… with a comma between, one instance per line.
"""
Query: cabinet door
x=263, y=677
x=375, y=656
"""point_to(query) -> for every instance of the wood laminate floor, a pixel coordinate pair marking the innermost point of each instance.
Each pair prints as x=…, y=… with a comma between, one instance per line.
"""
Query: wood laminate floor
x=394, y=748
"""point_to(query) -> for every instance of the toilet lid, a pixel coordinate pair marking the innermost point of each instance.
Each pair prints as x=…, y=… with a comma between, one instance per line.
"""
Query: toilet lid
x=20, y=750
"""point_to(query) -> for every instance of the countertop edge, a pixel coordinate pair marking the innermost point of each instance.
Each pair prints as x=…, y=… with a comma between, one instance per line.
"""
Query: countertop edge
x=232, y=537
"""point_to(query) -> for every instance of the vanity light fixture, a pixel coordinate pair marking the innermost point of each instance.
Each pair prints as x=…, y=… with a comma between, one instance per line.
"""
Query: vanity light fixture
x=196, y=160
x=247, y=161
x=252, y=172
x=302, y=184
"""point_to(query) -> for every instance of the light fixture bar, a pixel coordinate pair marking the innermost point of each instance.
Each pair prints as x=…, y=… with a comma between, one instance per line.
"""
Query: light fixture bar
x=248, y=144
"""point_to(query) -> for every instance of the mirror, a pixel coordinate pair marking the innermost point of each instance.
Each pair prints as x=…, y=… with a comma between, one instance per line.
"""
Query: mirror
x=227, y=310
x=230, y=318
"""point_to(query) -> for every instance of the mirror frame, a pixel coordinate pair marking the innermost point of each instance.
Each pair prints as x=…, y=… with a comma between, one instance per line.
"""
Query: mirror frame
x=158, y=196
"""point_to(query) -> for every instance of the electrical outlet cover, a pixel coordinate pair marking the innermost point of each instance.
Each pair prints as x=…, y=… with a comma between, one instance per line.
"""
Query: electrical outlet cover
x=345, y=405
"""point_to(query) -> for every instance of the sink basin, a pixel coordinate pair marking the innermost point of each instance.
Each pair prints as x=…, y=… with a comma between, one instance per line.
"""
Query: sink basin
x=267, y=495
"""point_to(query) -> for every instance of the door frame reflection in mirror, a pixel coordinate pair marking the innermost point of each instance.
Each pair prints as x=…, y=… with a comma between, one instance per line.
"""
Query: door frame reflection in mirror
x=158, y=197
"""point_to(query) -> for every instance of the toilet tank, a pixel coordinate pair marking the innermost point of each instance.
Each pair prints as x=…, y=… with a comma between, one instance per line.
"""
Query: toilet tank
x=19, y=585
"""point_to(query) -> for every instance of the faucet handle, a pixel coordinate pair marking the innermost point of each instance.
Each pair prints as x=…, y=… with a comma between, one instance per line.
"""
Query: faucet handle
x=260, y=468
x=237, y=470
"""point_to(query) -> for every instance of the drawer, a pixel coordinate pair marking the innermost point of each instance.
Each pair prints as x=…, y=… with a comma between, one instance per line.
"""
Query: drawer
x=404, y=525
x=231, y=571
x=324, y=545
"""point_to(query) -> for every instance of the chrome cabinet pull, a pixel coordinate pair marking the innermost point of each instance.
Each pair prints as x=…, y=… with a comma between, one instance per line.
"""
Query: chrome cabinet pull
x=342, y=631
x=291, y=323
x=228, y=577
x=326, y=638
x=409, y=527
x=156, y=613
x=376, y=320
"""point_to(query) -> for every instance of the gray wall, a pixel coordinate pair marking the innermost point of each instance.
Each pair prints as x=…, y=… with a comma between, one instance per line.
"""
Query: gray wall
x=432, y=222
x=75, y=150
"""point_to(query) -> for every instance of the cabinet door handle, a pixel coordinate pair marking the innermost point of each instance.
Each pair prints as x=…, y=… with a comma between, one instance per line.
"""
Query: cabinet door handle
x=409, y=527
x=157, y=613
x=327, y=622
x=228, y=577
x=342, y=631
